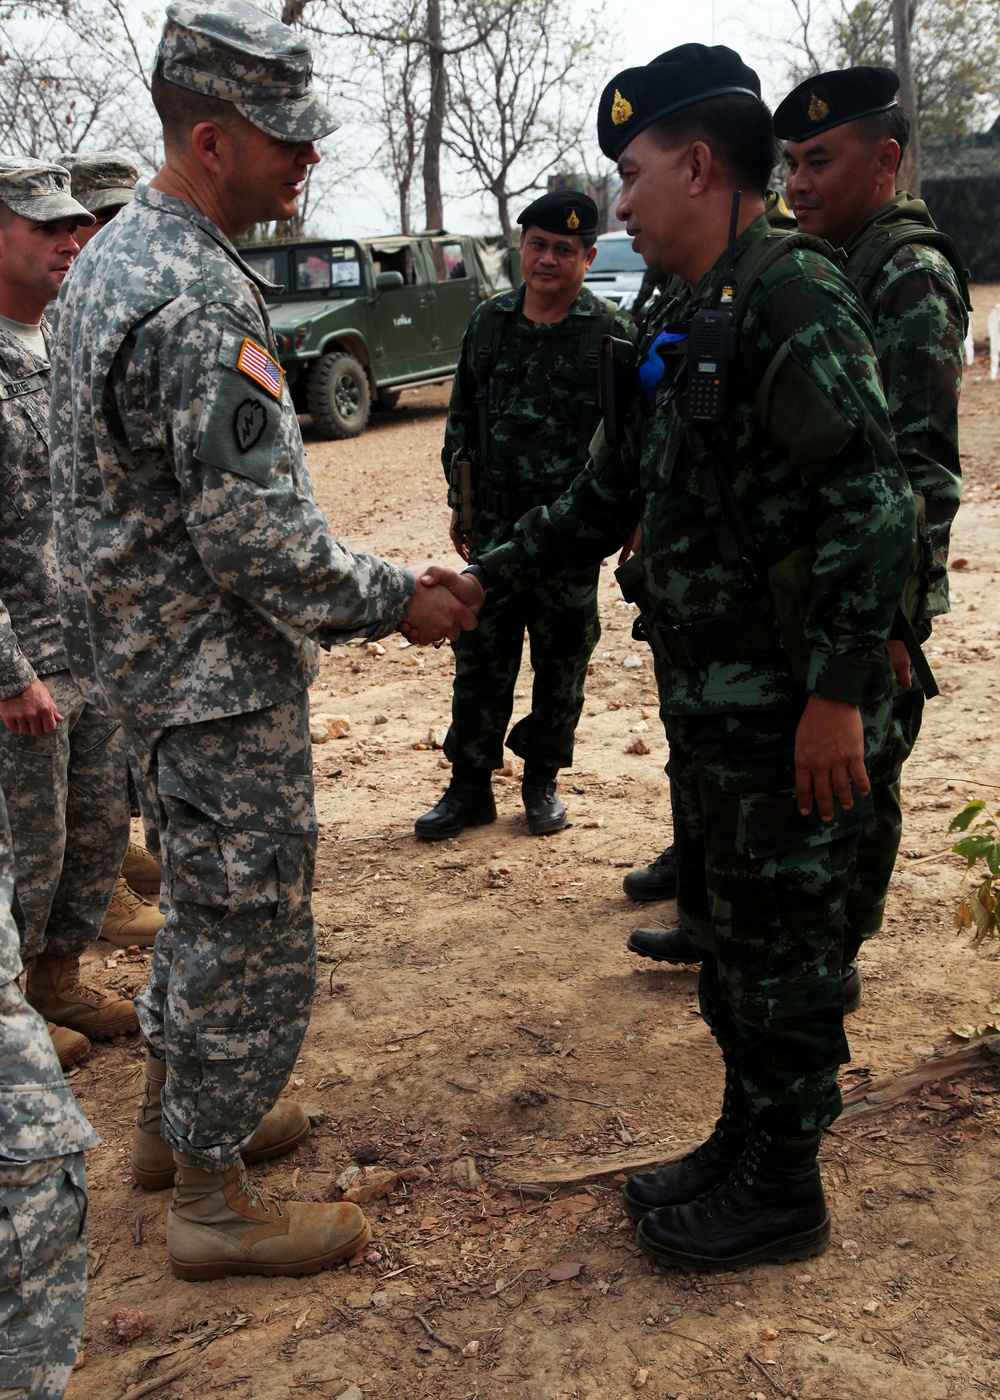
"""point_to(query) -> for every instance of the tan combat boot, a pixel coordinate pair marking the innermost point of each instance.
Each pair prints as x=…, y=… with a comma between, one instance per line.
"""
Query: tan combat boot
x=281, y=1129
x=141, y=872
x=54, y=989
x=70, y=1046
x=131, y=919
x=220, y=1224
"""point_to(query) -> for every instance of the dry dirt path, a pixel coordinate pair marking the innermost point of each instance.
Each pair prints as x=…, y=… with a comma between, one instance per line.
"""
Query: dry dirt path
x=479, y=1027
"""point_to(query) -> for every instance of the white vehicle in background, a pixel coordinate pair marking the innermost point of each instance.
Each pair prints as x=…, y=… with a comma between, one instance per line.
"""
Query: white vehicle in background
x=617, y=271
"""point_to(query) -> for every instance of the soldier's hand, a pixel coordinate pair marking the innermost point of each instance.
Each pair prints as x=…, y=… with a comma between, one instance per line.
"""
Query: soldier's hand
x=435, y=612
x=32, y=712
x=632, y=545
x=466, y=587
x=458, y=538
x=829, y=756
x=900, y=659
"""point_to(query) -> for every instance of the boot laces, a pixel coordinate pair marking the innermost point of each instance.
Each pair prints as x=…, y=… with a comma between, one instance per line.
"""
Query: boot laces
x=93, y=995
x=663, y=860
x=741, y=1178
x=259, y=1197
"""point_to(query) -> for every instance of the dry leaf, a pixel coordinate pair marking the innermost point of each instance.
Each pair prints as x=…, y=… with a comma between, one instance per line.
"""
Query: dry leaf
x=558, y=1273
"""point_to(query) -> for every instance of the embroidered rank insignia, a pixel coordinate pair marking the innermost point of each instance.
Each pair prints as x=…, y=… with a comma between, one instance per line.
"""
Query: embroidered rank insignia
x=621, y=109
x=818, y=109
x=574, y=219
x=249, y=423
x=261, y=367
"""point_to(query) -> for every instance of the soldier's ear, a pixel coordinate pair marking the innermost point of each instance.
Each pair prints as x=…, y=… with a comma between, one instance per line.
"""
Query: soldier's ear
x=590, y=255
x=206, y=141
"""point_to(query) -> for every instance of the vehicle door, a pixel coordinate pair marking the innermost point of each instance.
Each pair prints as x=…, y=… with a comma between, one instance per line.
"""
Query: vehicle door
x=402, y=315
x=453, y=298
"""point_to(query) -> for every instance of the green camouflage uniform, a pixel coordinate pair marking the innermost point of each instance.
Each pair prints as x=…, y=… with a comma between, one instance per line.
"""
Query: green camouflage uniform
x=196, y=569
x=43, y=1186
x=918, y=310
x=65, y=790
x=806, y=446
x=541, y=407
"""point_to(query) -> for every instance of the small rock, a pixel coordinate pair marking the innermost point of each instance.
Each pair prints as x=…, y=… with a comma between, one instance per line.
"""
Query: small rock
x=903, y=1242
x=871, y=1307
x=436, y=738
x=637, y=745
x=318, y=733
x=380, y=718
x=465, y=1172
x=129, y=1323
x=353, y=1392
x=641, y=728
x=632, y=663
x=347, y=1177
x=371, y=1184
x=471, y=1348
x=374, y=649
x=640, y=1378
x=314, y=1113
x=769, y=1334
x=337, y=726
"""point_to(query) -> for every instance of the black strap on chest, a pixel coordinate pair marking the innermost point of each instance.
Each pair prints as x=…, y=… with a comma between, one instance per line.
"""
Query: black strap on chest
x=865, y=263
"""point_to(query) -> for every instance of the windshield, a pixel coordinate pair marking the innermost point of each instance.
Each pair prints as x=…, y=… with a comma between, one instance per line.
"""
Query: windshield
x=617, y=255
x=332, y=265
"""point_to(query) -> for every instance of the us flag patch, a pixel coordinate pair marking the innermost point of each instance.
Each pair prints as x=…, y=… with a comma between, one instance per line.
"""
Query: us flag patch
x=261, y=367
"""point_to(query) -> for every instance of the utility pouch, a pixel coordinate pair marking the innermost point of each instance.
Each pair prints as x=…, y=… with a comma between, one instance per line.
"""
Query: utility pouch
x=790, y=582
x=616, y=384
x=463, y=491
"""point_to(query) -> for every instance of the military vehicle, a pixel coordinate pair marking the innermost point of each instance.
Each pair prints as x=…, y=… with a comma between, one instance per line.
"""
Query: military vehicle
x=359, y=320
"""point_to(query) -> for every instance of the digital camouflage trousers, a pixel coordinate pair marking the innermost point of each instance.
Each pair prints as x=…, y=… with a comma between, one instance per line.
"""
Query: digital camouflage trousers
x=69, y=819
x=563, y=628
x=234, y=966
x=762, y=892
x=43, y=1244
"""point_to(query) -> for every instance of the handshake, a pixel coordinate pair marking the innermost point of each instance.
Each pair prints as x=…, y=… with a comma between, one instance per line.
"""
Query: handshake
x=444, y=605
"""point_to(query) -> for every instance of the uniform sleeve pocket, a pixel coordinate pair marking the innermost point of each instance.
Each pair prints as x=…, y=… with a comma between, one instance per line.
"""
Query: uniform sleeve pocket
x=771, y=825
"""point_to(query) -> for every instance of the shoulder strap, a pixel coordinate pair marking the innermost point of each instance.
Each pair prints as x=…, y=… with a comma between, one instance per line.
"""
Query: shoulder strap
x=599, y=324
x=485, y=353
x=763, y=253
x=871, y=255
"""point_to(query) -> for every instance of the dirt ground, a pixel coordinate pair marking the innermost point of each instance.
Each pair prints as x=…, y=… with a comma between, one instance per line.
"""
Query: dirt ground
x=479, y=1027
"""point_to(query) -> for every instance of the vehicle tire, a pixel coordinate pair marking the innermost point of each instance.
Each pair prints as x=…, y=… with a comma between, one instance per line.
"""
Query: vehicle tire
x=338, y=396
x=387, y=400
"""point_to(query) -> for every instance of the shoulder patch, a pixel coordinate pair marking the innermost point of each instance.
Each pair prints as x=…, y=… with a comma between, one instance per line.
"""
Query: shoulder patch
x=262, y=368
x=249, y=422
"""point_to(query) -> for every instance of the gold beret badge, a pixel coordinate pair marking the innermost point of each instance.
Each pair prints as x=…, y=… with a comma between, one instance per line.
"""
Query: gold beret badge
x=621, y=109
x=573, y=221
x=818, y=109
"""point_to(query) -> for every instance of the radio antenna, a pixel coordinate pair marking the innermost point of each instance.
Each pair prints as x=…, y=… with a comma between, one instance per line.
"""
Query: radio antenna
x=729, y=276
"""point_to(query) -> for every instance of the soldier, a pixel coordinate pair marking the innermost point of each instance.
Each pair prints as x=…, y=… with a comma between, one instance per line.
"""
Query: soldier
x=776, y=537
x=62, y=759
x=196, y=570
x=104, y=183
x=523, y=410
x=845, y=135
x=43, y=1185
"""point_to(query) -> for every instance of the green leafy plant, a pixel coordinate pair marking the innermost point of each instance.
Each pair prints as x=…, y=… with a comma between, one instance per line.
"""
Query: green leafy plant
x=980, y=844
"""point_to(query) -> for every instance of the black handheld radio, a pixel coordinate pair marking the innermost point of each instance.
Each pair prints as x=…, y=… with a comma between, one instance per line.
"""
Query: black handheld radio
x=712, y=343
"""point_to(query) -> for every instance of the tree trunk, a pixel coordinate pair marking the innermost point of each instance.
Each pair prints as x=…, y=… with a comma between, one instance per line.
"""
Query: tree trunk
x=908, y=175
x=503, y=211
x=433, y=203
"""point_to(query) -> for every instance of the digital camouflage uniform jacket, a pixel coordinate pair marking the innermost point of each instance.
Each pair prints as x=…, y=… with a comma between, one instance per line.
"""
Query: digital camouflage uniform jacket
x=921, y=323
x=807, y=447
x=31, y=642
x=195, y=565
x=541, y=405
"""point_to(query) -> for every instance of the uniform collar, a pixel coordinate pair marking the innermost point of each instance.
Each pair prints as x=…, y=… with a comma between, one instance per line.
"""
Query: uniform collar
x=181, y=209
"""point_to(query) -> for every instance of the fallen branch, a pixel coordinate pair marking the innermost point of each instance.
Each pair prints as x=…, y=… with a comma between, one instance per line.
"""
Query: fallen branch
x=765, y=1372
x=435, y=1336
x=874, y=1097
x=158, y=1382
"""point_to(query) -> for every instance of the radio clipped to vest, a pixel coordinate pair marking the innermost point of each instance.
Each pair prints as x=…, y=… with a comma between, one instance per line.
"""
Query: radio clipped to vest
x=712, y=342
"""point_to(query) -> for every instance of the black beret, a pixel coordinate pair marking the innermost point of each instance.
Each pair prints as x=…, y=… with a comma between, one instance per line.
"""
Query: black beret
x=677, y=79
x=562, y=211
x=830, y=99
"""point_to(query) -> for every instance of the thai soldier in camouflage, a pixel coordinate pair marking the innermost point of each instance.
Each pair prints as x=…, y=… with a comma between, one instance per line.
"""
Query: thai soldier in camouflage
x=197, y=574
x=43, y=1185
x=523, y=410
x=845, y=136
x=62, y=759
x=768, y=776
x=104, y=183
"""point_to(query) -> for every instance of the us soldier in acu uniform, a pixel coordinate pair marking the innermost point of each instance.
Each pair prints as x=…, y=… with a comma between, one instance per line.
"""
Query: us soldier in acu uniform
x=62, y=759
x=195, y=570
x=43, y=1186
x=104, y=182
x=844, y=137
x=776, y=529
x=523, y=410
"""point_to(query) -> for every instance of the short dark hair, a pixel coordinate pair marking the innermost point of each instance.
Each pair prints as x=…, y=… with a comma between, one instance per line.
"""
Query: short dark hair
x=738, y=130
x=180, y=110
x=892, y=124
x=7, y=215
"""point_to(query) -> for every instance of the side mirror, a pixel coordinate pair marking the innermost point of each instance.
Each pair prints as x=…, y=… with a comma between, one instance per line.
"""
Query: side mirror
x=385, y=281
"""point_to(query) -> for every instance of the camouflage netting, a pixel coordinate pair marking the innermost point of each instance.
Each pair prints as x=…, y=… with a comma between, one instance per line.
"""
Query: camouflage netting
x=961, y=185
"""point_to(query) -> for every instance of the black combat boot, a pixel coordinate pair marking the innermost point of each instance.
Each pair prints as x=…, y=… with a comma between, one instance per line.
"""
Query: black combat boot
x=538, y=793
x=468, y=801
x=770, y=1209
x=656, y=881
x=697, y=1172
x=672, y=945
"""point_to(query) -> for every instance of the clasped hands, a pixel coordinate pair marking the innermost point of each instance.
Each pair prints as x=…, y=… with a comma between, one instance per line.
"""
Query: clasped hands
x=444, y=605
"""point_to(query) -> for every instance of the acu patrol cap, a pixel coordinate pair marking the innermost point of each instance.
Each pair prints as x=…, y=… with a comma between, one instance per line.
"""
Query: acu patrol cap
x=830, y=99
x=679, y=78
x=39, y=190
x=102, y=180
x=562, y=211
x=234, y=51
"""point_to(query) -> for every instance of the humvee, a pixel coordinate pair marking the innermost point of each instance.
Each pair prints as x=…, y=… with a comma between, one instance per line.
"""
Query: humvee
x=359, y=320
